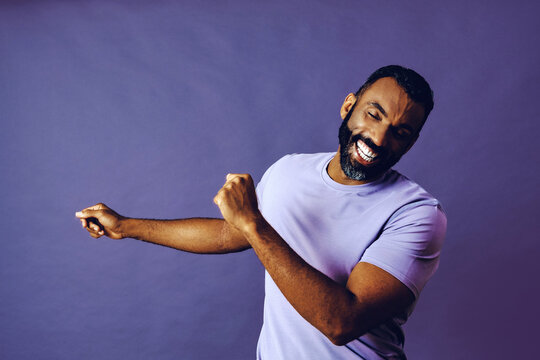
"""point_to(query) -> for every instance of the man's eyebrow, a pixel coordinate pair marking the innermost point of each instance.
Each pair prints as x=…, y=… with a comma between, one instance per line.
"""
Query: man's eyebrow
x=378, y=106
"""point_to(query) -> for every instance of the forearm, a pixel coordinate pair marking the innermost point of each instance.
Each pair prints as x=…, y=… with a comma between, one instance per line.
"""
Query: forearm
x=327, y=305
x=197, y=235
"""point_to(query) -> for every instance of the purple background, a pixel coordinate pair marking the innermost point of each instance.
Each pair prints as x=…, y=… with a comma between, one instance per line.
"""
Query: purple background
x=147, y=105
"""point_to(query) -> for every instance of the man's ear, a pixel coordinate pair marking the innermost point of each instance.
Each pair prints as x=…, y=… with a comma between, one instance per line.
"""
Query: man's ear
x=350, y=100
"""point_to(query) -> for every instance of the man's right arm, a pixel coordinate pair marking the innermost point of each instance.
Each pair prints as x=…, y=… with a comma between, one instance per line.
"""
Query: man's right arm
x=197, y=235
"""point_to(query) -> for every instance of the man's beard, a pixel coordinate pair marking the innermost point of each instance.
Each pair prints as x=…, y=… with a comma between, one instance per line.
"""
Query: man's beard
x=353, y=169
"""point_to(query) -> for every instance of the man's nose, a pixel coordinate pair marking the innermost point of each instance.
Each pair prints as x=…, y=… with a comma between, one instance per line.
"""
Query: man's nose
x=379, y=135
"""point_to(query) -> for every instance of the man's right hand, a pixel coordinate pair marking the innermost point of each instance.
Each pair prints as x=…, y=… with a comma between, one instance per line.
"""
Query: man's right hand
x=101, y=220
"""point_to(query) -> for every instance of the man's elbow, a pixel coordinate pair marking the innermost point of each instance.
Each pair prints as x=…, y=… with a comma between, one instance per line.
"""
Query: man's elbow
x=340, y=340
x=350, y=325
x=341, y=336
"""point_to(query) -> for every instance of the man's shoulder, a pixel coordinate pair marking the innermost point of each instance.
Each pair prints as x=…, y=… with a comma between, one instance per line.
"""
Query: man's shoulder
x=408, y=195
x=303, y=161
x=410, y=187
x=303, y=157
x=297, y=167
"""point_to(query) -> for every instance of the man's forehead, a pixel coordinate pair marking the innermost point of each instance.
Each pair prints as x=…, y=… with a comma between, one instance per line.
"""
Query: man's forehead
x=386, y=91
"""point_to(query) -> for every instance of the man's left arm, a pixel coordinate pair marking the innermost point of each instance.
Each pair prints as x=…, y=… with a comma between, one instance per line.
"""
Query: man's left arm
x=342, y=313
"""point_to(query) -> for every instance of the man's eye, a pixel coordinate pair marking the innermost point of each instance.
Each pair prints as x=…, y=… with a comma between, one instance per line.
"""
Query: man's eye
x=401, y=133
x=373, y=116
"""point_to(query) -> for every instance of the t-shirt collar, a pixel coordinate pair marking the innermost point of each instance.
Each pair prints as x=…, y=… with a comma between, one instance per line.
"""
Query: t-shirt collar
x=363, y=188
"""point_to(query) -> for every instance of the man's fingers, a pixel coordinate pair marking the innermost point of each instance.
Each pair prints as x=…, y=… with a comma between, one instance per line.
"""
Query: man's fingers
x=99, y=206
x=95, y=233
x=89, y=211
x=100, y=232
x=89, y=218
x=85, y=213
x=91, y=231
x=230, y=177
x=94, y=227
x=217, y=198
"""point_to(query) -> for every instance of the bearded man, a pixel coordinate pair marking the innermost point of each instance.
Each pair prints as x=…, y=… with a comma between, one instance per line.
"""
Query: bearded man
x=347, y=243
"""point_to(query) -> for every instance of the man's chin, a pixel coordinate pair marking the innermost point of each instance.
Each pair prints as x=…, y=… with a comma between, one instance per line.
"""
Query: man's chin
x=357, y=171
x=362, y=175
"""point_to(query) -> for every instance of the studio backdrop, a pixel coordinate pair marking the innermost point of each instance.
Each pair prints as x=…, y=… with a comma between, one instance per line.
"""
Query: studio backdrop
x=147, y=105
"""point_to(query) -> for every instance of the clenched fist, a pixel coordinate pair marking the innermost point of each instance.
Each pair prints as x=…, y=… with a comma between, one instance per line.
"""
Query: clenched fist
x=101, y=220
x=237, y=201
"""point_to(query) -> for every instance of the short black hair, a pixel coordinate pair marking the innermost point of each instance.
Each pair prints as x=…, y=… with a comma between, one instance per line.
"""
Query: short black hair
x=410, y=81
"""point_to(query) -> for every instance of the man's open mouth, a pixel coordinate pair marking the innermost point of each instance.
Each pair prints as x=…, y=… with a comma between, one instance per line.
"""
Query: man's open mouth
x=365, y=153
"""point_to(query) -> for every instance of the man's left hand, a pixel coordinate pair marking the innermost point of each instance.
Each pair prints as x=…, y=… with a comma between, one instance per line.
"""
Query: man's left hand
x=237, y=202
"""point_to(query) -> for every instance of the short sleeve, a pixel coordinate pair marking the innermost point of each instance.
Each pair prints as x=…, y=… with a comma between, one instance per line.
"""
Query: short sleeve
x=410, y=245
x=259, y=189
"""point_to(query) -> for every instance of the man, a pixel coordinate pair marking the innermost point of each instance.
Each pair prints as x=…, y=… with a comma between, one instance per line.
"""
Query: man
x=347, y=243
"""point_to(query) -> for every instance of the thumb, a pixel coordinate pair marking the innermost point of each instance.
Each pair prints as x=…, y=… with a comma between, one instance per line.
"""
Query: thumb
x=83, y=214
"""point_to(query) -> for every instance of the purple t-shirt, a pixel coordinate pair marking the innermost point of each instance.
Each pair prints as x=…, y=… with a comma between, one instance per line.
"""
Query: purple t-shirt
x=391, y=223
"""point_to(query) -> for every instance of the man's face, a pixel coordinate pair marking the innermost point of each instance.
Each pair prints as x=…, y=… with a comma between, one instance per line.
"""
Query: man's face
x=378, y=128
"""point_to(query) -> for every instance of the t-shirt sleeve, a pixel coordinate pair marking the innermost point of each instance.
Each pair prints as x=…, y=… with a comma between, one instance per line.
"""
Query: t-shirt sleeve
x=259, y=189
x=410, y=244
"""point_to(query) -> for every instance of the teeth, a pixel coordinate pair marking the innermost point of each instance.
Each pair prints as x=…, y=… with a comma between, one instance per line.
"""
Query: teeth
x=365, y=152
